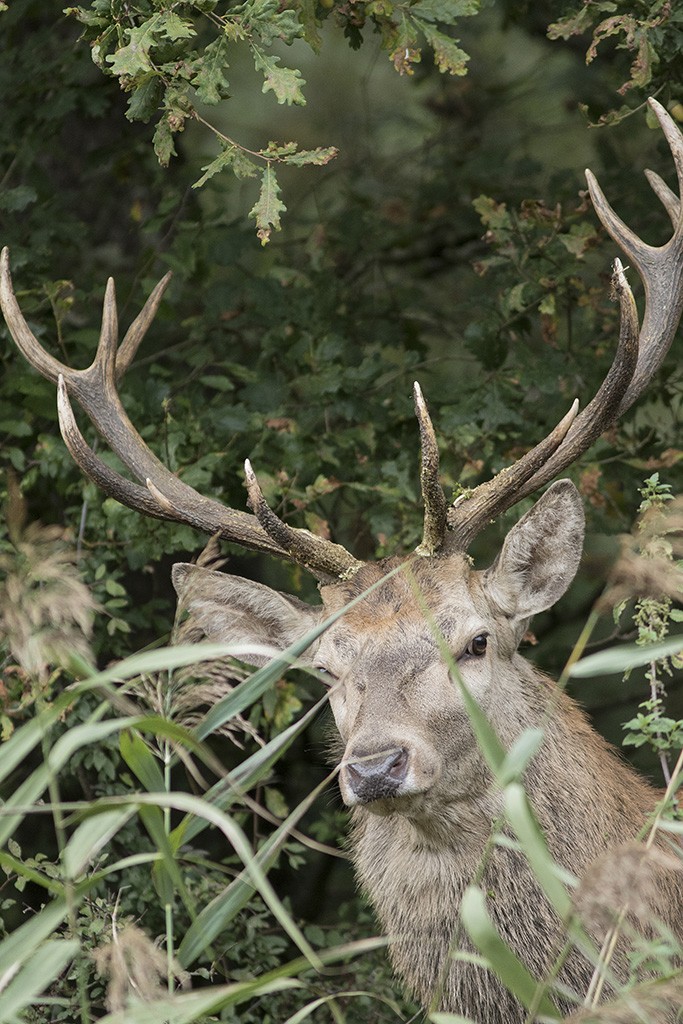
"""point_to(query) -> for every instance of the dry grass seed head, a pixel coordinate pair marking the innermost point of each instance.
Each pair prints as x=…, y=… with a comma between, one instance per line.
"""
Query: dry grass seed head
x=134, y=968
x=46, y=611
x=646, y=566
x=622, y=879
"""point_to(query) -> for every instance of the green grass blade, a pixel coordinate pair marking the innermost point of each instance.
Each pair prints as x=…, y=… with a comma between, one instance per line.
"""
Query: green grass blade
x=256, y=685
x=549, y=875
x=449, y=1018
x=516, y=761
x=235, y=836
x=38, y=971
x=623, y=658
x=315, y=1004
x=504, y=962
x=141, y=761
x=90, y=836
x=487, y=739
x=165, y=659
x=25, y=939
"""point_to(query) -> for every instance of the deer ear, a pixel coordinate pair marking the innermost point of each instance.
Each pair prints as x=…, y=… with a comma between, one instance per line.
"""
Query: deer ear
x=540, y=555
x=217, y=607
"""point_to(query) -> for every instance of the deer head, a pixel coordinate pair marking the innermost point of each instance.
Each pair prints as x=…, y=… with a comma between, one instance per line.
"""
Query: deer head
x=409, y=752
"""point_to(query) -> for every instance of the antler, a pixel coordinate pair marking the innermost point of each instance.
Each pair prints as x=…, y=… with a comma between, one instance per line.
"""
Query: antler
x=639, y=355
x=163, y=495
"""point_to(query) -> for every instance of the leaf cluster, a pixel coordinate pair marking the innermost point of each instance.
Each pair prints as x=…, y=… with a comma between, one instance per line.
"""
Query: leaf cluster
x=645, y=39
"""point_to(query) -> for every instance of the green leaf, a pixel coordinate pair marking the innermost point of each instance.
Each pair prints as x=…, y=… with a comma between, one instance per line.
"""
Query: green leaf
x=269, y=206
x=503, y=961
x=622, y=659
x=518, y=756
x=286, y=83
x=445, y=11
x=16, y=199
x=273, y=21
x=488, y=741
x=214, y=917
x=25, y=939
x=189, y=1007
x=254, y=874
x=141, y=761
x=241, y=779
x=145, y=99
x=232, y=156
x=164, y=146
x=174, y=27
x=449, y=58
x=210, y=80
x=134, y=58
x=320, y=156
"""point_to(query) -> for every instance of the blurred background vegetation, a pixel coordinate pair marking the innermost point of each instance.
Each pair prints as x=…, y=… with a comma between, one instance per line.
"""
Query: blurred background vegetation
x=449, y=240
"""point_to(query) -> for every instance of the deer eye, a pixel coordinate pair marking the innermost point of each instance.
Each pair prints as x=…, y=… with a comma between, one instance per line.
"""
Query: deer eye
x=477, y=645
x=329, y=677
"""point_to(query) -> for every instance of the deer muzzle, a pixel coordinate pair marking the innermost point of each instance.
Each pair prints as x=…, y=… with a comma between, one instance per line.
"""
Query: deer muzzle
x=375, y=776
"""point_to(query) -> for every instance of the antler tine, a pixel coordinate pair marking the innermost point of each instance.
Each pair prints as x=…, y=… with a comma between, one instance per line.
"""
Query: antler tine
x=316, y=554
x=203, y=514
x=19, y=329
x=433, y=497
x=105, y=357
x=140, y=326
x=672, y=134
x=666, y=196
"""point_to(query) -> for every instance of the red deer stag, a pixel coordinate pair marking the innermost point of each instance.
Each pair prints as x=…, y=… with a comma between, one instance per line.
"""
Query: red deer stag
x=418, y=787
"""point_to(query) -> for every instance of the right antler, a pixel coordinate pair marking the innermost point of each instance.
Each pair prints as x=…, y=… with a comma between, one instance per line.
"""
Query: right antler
x=163, y=495
x=636, y=361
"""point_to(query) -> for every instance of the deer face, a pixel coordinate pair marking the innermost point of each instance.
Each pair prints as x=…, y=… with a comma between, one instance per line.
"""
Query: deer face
x=388, y=659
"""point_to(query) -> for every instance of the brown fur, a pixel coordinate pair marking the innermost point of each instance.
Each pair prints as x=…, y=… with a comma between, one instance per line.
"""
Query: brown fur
x=417, y=846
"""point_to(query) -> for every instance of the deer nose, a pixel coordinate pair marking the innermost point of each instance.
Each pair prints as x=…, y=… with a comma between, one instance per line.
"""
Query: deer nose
x=376, y=776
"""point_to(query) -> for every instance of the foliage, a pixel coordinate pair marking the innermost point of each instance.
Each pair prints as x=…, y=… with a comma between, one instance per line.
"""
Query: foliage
x=648, y=34
x=176, y=58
